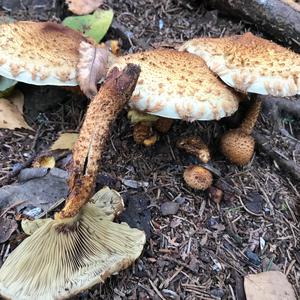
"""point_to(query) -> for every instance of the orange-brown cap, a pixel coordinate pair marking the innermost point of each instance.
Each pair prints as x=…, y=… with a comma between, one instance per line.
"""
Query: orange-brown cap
x=39, y=53
x=197, y=177
x=237, y=146
x=179, y=85
x=250, y=63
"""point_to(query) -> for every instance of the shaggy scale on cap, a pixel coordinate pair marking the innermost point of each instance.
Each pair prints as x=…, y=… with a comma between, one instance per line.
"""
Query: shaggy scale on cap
x=250, y=63
x=39, y=53
x=178, y=85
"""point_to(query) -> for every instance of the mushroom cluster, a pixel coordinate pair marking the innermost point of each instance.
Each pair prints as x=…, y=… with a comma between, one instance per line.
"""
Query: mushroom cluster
x=172, y=85
x=249, y=64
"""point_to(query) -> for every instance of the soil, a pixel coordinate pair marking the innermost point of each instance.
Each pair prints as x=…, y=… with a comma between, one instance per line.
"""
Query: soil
x=204, y=250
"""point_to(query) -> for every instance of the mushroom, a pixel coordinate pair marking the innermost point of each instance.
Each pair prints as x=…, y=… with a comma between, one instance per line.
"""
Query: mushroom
x=197, y=177
x=178, y=85
x=39, y=53
x=81, y=246
x=248, y=64
x=196, y=146
x=65, y=257
x=238, y=145
x=143, y=134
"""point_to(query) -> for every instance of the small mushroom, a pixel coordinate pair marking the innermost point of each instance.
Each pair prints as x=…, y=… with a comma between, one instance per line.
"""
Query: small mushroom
x=197, y=177
x=238, y=145
x=196, y=146
x=143, y=134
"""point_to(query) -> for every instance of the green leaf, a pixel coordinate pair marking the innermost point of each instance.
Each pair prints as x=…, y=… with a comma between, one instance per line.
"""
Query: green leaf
x=94, y=26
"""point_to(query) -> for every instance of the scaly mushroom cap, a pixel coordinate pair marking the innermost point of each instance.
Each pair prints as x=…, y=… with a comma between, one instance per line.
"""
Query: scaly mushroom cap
x=39, y=53
x=196, y=146
x=67, y=256
x=197, y=177
x=237, y=146
x=250, y=64
x=178, y=85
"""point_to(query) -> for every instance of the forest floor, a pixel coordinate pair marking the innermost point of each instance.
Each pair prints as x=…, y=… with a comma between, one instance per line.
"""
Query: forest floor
x=203, y=250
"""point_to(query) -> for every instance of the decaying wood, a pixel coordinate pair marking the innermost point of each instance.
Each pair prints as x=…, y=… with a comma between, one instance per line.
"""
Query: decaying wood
x=278, y=18
x=88, y=149
x=276, y=105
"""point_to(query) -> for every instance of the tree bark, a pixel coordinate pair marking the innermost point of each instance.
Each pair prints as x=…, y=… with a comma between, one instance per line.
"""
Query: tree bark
x=278, y=18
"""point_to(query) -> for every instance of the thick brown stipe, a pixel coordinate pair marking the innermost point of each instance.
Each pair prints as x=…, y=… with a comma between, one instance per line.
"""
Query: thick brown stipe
x=88, y=149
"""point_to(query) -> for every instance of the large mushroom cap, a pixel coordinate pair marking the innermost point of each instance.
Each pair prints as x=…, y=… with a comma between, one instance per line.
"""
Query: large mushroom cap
x=65, y=257
x=39, y=53
x=178, y=85
x=250, y=64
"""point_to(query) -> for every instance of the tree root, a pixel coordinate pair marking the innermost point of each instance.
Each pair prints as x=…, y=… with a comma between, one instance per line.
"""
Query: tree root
x=288, y=165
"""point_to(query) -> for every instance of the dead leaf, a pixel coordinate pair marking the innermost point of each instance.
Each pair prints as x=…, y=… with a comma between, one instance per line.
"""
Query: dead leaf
x=44, y=161
x=65, y=141
x=271, y=285
x=92, y=67
x=11, y=112
x=42, y=192
x=82, y=7
x=7, y=227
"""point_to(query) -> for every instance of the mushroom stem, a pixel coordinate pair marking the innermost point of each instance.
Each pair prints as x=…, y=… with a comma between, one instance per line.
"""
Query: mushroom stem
x=251, y=117
x=88, y=149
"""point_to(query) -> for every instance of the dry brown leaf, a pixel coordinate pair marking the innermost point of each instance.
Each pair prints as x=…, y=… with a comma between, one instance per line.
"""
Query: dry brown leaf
x=65, y=141
x=83, y=7
x=11, y=112
x=271, y=285
x=91, y=68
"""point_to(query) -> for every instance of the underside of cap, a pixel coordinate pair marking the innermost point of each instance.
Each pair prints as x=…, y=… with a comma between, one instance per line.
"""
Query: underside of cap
x=39, y=53
x=250, y=64
x=65, y=257
x=178, y=85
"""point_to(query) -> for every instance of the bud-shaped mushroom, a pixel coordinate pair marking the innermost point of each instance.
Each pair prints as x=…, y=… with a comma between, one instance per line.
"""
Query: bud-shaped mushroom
x=237, y=146
x=198, y=177
x=194, y=145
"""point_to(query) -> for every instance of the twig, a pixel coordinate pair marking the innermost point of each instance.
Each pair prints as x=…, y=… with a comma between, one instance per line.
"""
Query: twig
x=156, y=290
